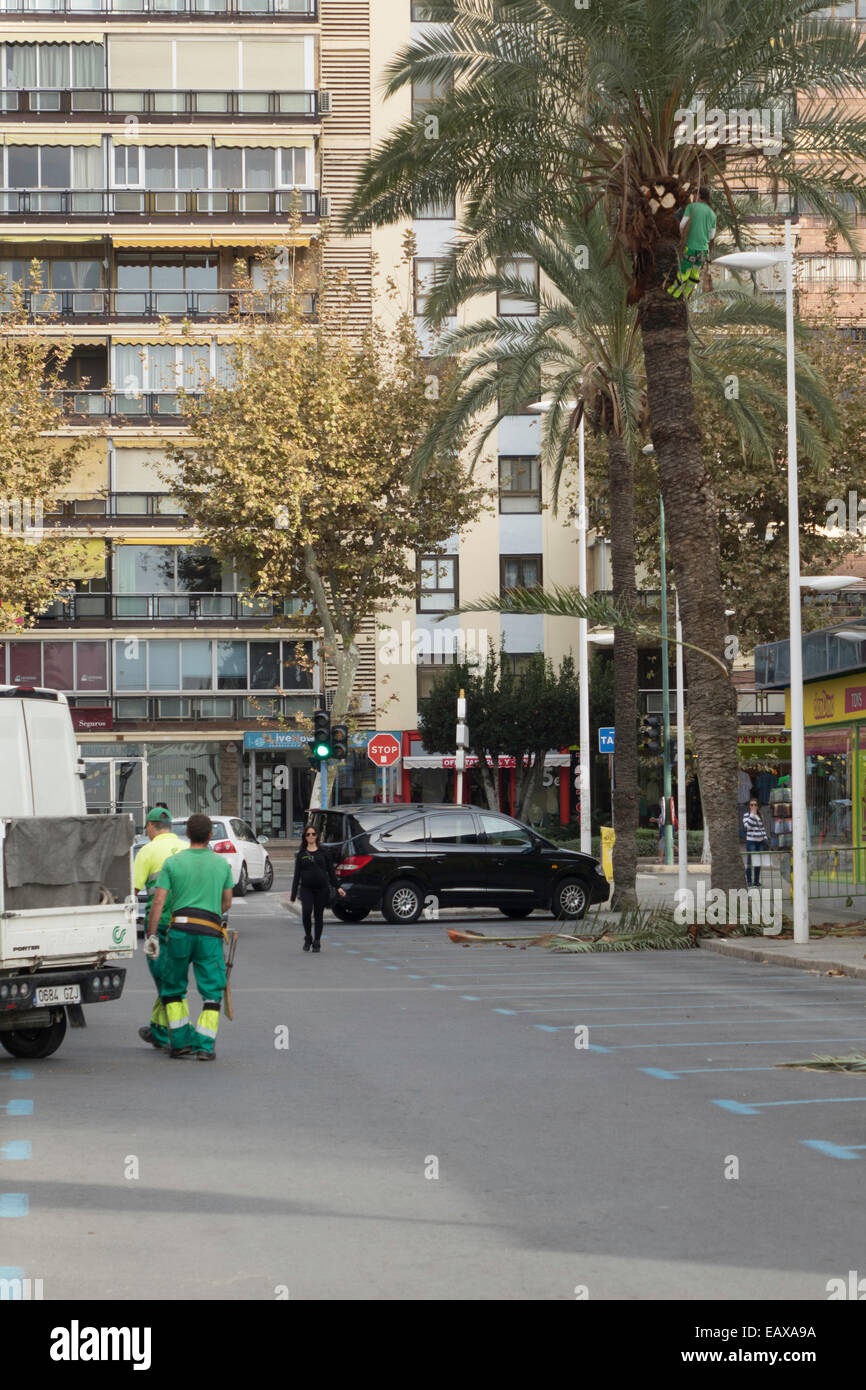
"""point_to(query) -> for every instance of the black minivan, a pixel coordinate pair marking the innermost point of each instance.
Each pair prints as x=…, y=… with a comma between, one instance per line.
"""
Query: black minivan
x=404, y=859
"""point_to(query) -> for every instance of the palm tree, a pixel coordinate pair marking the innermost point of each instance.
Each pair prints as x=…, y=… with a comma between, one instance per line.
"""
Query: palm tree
x=583, y=350
x=547, y=100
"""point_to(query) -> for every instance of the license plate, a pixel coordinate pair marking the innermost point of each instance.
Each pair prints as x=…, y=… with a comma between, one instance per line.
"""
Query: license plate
x=57, y=994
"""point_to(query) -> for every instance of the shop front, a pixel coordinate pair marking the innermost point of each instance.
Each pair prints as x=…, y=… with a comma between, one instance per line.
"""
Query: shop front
x=432, y=777
x=132, y=775
x=834, y=713
x=279, y=780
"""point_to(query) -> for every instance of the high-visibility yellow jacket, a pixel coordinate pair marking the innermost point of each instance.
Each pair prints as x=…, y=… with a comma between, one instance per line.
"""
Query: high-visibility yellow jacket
x=149, y=861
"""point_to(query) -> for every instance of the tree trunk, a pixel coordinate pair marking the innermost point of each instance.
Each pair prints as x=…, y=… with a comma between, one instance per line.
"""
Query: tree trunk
x=528, y=787
x=489, y=781
x=625, y=694
x=693, y=537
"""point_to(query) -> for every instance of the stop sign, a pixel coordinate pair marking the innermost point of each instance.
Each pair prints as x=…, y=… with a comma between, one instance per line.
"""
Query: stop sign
x=383, y=750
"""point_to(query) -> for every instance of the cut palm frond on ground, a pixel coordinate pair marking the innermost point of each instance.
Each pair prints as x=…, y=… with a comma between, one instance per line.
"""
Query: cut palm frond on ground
x=639, y=929
x=856, y=1062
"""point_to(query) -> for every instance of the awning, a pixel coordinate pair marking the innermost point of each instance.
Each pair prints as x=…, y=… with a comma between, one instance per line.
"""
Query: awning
x=447, y=762
x=157, y=339
x=169, y=138
x=265, y=142
x=92, y=563
x=36, y=136
x=166, y=242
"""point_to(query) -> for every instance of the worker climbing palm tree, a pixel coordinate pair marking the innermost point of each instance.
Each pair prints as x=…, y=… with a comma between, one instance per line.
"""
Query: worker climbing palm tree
x=699, y=229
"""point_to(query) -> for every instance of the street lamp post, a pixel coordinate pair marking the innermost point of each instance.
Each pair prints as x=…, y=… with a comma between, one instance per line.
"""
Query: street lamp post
x=760, y=260
x=666, y=698
x=682, y=833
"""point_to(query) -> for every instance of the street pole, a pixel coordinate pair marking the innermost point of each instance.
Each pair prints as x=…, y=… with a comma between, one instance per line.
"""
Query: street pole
x=323, y=784
x=682, y=836
x=666, y=699
x=583, y=650
x=799, y=853
x=461, y=742
x=384, y=786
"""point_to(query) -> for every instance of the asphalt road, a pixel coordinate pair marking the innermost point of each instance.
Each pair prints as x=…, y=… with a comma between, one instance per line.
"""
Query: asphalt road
x=432, y=1131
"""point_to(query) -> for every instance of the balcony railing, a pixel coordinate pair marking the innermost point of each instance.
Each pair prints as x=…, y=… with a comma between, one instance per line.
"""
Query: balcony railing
x=149, y=104
x=156, y=608
x=166, y=9
x=132, y=507
x=162, y=202
x=150, y=304
x=108, y=403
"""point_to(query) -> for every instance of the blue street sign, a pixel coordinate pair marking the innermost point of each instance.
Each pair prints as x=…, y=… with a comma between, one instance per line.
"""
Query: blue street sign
x=606, y=739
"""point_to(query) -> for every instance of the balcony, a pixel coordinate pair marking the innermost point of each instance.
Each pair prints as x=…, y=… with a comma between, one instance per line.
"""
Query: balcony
x=132, y=508
x=104, y=405
x=199, y=10
x=163, y=106
x=99, y=609
x=108, y=305
x=192, y=204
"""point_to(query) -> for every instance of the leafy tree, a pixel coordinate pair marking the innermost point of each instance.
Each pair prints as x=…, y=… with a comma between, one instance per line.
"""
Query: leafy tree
x=35, y=466
x=299, y=467
x=510, y=714
x=542, y=98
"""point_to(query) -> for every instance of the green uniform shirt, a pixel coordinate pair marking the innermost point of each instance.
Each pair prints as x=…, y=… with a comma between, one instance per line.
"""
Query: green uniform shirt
x=701, y=227
x=196, y=878
x=149, y=861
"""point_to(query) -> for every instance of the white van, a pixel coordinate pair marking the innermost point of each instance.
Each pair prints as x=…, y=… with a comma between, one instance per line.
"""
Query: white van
x=67, y=908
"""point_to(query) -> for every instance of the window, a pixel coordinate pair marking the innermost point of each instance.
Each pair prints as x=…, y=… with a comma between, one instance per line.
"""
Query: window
x=427, y=273
x=167, y=367
x=519, y=572
x=453, y=828
x=518, y=662
x=25, y=663
x=410, y=833
x=422, y=12
x=232, y=666
x=170, y=569
x=499, y=831
x=169, y=666
x=429, y=674
x=519, y=483
x=437, y=583
x=524, y=269
x=56, y=66
x=297, y=666
x=264, y=665
x=427, y=91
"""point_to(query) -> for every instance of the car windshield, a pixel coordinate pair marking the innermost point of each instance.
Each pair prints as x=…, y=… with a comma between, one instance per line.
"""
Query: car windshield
x=220, y=830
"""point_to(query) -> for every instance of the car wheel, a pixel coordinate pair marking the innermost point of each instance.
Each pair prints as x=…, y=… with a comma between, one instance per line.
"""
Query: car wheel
x=268, y=881
x=570, y=898
x=35, y=1042
x=516, y=913
x=402, y=902
x=242, y=887
x=350, y=914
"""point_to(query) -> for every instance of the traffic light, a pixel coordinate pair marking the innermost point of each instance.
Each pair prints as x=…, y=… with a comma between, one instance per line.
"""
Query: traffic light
x=651, y=734
x=321, y=734
x=340, y=742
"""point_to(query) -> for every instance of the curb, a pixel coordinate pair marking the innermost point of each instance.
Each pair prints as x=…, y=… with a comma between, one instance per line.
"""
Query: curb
x=768, y=955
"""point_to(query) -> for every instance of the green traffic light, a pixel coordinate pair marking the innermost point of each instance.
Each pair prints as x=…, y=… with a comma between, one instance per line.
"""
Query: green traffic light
x=322, y=750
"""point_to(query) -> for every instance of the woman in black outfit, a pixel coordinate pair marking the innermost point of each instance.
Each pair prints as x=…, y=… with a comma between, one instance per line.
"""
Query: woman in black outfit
x=315, y=874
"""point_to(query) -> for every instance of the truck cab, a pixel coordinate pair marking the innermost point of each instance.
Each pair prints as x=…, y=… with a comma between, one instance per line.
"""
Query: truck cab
x=67, y=907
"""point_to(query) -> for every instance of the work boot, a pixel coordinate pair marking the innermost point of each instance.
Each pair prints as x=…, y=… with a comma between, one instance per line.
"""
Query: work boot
x=185, y=1052
x=206, y=1056
x=147, y=1036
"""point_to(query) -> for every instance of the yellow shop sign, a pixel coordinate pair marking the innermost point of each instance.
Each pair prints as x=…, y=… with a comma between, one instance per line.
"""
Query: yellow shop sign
x=834, y=701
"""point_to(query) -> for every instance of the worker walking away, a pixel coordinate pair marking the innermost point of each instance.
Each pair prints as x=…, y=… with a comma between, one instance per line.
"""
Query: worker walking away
x=196, y=887
x=161, y=844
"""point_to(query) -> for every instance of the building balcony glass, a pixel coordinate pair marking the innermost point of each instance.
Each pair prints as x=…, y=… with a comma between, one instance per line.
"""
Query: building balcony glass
x=190, y=203
x=157, y=105
x=101, y=608
x=165, y=9
x=42, y=305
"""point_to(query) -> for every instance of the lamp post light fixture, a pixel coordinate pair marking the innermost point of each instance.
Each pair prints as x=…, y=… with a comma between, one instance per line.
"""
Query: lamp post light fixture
x=761, y=260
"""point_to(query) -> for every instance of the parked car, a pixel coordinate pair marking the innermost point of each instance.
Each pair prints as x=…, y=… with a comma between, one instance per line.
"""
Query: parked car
x=245, y=852
x=399, y=858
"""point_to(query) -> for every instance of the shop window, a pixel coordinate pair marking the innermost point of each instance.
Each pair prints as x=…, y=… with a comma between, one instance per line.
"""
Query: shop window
x=25, y=663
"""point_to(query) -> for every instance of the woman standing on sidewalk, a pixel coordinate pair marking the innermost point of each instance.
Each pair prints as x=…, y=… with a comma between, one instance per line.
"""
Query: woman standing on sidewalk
x=756, y=840
x=314, y=872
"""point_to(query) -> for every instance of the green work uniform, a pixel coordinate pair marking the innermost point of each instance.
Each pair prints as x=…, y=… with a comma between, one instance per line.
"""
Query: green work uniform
x=700, y=230
x=194, y=881
x=146, y=868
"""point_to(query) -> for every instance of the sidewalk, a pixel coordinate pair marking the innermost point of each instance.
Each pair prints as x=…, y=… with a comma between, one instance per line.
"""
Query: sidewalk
x=831, y=955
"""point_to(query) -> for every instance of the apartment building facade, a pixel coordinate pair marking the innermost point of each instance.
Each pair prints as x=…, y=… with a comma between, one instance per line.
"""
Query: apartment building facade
x=147, y=147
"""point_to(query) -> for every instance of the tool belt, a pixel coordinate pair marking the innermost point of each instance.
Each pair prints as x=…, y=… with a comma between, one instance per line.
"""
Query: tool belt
x=199, y=921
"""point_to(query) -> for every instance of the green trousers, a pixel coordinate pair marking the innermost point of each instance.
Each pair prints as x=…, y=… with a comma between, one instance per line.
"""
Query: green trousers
x=158, y=1019
x=205, y=954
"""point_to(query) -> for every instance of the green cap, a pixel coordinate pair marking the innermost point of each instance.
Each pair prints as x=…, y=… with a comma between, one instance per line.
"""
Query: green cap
x=158, y=814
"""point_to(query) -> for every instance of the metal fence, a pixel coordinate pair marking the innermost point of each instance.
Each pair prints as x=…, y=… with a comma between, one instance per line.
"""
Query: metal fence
x=834, y=871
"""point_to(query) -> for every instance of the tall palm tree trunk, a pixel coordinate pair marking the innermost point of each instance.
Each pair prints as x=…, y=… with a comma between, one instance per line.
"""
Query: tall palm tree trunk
x=692, y=528
x=625, y=792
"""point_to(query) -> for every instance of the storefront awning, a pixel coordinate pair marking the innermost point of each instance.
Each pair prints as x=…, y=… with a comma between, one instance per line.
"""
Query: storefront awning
x=431, y=761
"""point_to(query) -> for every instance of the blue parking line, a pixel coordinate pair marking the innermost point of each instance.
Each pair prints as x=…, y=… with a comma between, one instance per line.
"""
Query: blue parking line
x=374, y=960
x=18, y=1107
x=833, y=1150
x=700, y=1023
x=16, y=1148
x=473, y=998
x=11, y=1272
x=725, y=1042
x=694, y=1071
x=17, y=1074
x=754, y=1107
x=645, y=1008
x=14, y=1204
x=441, y=986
